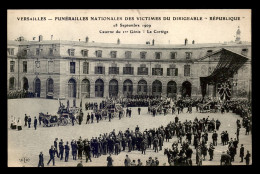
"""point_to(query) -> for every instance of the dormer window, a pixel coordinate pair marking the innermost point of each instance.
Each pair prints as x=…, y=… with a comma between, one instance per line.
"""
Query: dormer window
x=173, y=55
x=10, y=51
x=244, y=51
x=188, y=55
x=71, y=52
x=84, y=53
x=158, y=55
x=51, y=52
x=98, y=53
x=113, y=54
x=128, y=54
x=209, y=52
x=143, y=55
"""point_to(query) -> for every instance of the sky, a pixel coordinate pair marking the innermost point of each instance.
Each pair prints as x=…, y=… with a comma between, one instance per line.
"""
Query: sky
x=202, y=31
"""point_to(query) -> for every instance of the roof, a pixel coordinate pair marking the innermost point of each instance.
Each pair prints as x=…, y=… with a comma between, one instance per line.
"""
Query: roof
x=220, y=50
x=139, y=46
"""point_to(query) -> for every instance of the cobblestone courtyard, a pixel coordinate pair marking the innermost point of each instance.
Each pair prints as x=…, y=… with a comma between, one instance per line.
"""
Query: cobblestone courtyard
x=29, y=142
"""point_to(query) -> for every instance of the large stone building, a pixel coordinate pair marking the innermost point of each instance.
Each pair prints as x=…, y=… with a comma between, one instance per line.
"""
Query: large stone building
x=64, y=69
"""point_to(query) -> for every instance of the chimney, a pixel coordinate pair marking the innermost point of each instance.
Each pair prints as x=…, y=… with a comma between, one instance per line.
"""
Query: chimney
x=153, y=42
x=79, y=40
x=87, y=39
x=34, y=38
x=193, y=42
x=186, y=41
x=118, y=41
x=40, y=38
x=51, y=37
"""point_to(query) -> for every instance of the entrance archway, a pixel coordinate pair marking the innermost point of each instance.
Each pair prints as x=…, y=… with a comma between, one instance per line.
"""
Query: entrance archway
x=72, y=90
x=171, y=89
x=128, y=88
x=142, y=87
x=50, y=88
x=85, y=88
x=113, y=88
x=186, y=89
x=37, y=87
x=157, y=88
x=99, y=88
x=25, y=84
x=12, y=83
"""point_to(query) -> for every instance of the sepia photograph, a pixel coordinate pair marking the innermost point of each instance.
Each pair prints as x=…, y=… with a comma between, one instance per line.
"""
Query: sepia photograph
x=129, y=87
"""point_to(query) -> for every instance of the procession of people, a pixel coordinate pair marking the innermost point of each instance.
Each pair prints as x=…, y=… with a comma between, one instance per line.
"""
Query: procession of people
x=191, y=137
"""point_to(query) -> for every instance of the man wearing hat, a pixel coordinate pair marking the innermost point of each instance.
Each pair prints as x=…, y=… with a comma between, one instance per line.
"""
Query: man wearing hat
x=211, y=151
x=127, y=161
x=25, y=120
x=247, y=158
x=41, y=160
x=52, y=156
x=242, y=149
x=109, y=161
x=67, y=150
x=61, y=149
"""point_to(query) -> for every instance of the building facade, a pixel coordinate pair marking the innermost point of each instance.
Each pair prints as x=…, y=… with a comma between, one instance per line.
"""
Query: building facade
x=83, y=69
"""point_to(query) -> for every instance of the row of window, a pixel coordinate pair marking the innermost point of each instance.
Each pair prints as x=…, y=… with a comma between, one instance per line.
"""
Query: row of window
x=142, y=71
x=128, y=54
x=115, y=70
x=113, y=54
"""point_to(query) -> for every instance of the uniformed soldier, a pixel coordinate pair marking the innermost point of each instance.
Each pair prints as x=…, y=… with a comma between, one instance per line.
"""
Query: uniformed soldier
x=61, y=149
x=109, y=161
x=215, y=138
x=127, y=161
x=139, y=163
x=41, y=160
x=211, y=151
x=247, y=158
x=67, y=150
x=35, y=123
x=242, y=149
x=25, y=120
x=143, y=146
x=29, y=122
x=155, y=144
x=56, y=147
x=52, y=156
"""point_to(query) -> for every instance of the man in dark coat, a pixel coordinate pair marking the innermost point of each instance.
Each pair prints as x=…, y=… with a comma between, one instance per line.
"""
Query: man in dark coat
x=225, y=159
x=52, y=156
x=25, y=120
x=67, y=150
x=29, y=122
x=41, y=160
x=143, y=146
x=139, y=110
x=211, y=151
x=35, y=123
x=56, y=147
x=215, y=138
x=109, y=161
x=242, y=149
x=247, y=158
x=61, y=149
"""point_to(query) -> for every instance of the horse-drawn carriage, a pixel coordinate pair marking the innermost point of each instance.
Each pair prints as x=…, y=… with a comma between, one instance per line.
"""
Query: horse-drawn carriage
x=68, y=114
x=114, y=109
x=52, y=120
x=208, y=107
x=161, y=106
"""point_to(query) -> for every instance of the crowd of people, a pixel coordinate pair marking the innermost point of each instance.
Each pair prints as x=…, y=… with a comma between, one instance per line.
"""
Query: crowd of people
x=13, y=94
x=153, y=139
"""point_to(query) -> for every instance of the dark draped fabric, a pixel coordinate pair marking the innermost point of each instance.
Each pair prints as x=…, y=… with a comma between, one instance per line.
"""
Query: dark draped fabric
x=228, y=64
